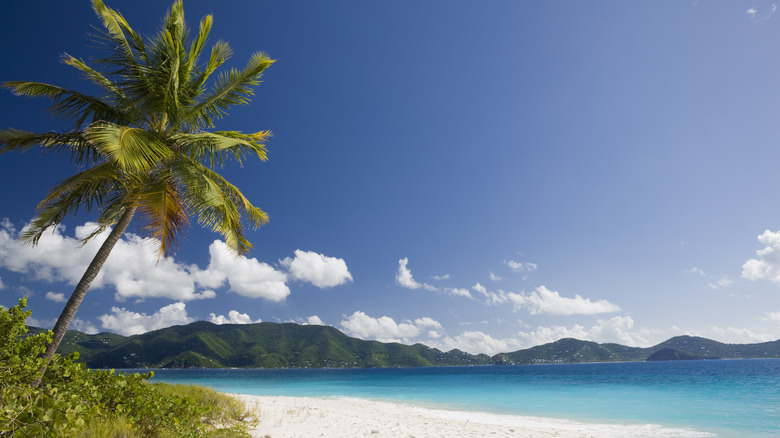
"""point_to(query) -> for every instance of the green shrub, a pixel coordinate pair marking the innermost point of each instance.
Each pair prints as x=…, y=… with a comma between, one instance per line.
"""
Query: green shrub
x=76, y=402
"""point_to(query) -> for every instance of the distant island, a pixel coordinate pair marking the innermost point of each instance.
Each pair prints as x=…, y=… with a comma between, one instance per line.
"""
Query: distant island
x=271, y=345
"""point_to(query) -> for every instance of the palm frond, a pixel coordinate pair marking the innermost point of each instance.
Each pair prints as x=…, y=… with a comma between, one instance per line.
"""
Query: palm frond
x=69, y=104
x=217, y=204
x=132, y=149
x=116, y=93
x=255, y=215
x=73, y=143
x=215, y=147
x=232, y=88
x=220, y=53
x=116, y=26
x=86, y=189
x=165, y=212
x=196, y=48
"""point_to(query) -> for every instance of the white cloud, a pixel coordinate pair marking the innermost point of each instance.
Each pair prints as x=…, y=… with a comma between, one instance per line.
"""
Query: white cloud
x=459, y=292
x=441, y=277
x=247, y=276
x=753, y=13
x=774, y=316
x=543, y=300
x=476, y=342
x=404, y=277
x=41, y=323
x=695, y=270
x=491, y=298
x=711, y=281
x=495, y=277
x=767, y=265
x=134, y=270
x=77, y=324
x=520, y=266
x=234, y=317
x=311, y=320
x=619, y=329
x=2, y=286
x=127, y=323
x=83, y=326
x=741, y=335
x=314, y=320
x=56, y=297
x=385, y=329
x=317, y=269
x=722, y=282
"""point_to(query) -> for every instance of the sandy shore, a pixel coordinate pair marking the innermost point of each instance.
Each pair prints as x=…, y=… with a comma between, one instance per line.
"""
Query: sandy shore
x=302, y=417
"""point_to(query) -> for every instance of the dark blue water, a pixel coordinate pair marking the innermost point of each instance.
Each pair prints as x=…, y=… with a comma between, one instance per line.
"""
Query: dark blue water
x=730, y=398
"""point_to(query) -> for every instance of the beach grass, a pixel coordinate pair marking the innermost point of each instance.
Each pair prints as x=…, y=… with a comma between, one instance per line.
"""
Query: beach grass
x=219, y=415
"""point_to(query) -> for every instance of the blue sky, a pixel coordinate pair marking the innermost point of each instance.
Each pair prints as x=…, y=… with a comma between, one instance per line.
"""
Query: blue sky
x=482, y=175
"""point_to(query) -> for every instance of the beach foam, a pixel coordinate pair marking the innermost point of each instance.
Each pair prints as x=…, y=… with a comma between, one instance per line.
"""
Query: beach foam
x=304, y=417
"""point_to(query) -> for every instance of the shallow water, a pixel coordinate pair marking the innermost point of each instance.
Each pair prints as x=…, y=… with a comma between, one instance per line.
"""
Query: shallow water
x=731, y=398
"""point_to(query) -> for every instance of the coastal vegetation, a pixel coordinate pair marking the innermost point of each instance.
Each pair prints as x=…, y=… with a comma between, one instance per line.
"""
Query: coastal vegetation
x=143, y=148
x=75, y=401
x=271, y=345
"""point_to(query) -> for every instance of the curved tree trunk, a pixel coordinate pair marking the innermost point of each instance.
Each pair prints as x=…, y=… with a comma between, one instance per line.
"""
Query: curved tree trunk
x=81, y=288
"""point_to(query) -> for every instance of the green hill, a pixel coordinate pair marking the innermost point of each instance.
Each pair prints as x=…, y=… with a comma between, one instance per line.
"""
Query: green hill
x=263, y=345
x=270, y=345
x=689, y=347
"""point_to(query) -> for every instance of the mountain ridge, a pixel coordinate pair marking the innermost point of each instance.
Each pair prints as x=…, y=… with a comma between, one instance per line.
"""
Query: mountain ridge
x=203, y=344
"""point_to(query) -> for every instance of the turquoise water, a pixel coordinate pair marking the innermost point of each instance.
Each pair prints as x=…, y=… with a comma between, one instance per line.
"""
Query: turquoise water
x=729, y=398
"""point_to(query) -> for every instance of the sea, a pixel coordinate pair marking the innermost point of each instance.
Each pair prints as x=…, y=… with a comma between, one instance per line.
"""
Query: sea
x=708, y=398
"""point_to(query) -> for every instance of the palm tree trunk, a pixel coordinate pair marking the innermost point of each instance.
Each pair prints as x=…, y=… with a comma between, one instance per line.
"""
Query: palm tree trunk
x=81, y=288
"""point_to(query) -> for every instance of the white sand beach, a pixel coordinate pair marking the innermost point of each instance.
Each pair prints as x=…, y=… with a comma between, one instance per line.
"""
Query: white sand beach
x=304, y=417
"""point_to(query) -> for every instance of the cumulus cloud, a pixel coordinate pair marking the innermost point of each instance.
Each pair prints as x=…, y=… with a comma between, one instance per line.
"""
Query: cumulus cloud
x=767, y=265
x=234, y=317
x=751, y=12
x=460, y=292
x=495, y=277
x=77, y=324
x=441, y=277
x=404, y=277
x=476, y=342
x=2, y=286
x=83, y=326
x=385, y=329
x=56, y=297
x=741, y=335
x=128, y=323
x=619, y=329
x=247, y=276
x=520, y=266
x=543, y=300
x=491, y=298
x=134, y=270
x=317, y=269
x=313, y=320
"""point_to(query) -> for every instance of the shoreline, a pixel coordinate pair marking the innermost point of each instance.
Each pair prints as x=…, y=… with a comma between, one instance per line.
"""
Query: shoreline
x=302, y=417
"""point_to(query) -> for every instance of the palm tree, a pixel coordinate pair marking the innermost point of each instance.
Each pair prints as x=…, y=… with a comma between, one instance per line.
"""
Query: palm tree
x=143, y=145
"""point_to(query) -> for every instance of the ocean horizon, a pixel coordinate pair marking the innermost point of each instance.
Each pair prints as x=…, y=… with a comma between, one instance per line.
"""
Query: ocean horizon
x=717, y=398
